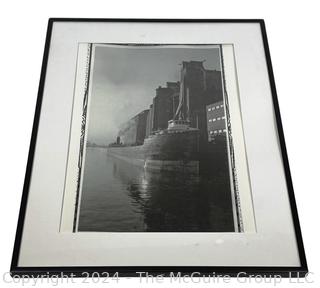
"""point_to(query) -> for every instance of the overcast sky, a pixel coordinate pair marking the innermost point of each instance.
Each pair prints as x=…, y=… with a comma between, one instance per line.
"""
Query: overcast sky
x=124, y=82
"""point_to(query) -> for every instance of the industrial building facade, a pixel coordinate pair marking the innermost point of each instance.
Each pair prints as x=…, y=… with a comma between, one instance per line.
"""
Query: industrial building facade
x=133, y=132
x=201, y=90
x=201, y=87
x=216, y=120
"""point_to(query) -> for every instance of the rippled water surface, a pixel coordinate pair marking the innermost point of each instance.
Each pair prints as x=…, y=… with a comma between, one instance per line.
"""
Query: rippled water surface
x=118, y=197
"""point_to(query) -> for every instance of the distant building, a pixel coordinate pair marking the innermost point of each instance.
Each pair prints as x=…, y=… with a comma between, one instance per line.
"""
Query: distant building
x=175, y=87
x=149, y=121
x=165, y=104
x=141, y=126
x=162, y=108
x=133, y=132
x=216, y=120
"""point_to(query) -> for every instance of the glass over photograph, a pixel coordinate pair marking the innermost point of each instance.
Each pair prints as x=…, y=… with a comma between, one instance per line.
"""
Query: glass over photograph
x=156, y=150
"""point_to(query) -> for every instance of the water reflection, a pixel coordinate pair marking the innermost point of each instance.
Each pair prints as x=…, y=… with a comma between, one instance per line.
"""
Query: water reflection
x=117, y=196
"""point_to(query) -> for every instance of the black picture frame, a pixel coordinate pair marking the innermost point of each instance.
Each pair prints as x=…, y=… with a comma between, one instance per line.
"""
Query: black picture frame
x=83, y=271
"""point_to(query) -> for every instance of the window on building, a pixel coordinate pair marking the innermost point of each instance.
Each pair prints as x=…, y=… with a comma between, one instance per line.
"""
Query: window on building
x=216, y=107
x=214, y=119
x=210, y=120
x=209, y=109
x=221, y=105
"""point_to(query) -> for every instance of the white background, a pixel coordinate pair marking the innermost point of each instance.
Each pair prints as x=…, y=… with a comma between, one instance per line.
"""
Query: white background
x=293, y=33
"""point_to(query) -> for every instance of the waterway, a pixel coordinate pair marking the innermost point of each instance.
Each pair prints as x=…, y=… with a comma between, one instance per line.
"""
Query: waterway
x=118, y=197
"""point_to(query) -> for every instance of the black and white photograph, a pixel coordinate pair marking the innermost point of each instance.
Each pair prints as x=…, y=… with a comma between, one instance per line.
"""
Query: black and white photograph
x=156, y=151
x=157, y=146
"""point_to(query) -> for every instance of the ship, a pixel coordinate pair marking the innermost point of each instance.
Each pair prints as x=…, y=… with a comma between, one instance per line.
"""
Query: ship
x=173, y=149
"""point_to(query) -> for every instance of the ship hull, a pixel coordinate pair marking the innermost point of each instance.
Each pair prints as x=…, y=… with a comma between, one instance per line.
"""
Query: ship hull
x=177, y=151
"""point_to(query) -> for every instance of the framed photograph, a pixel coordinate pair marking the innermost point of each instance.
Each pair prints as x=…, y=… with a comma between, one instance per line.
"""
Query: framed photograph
x=157, y=148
